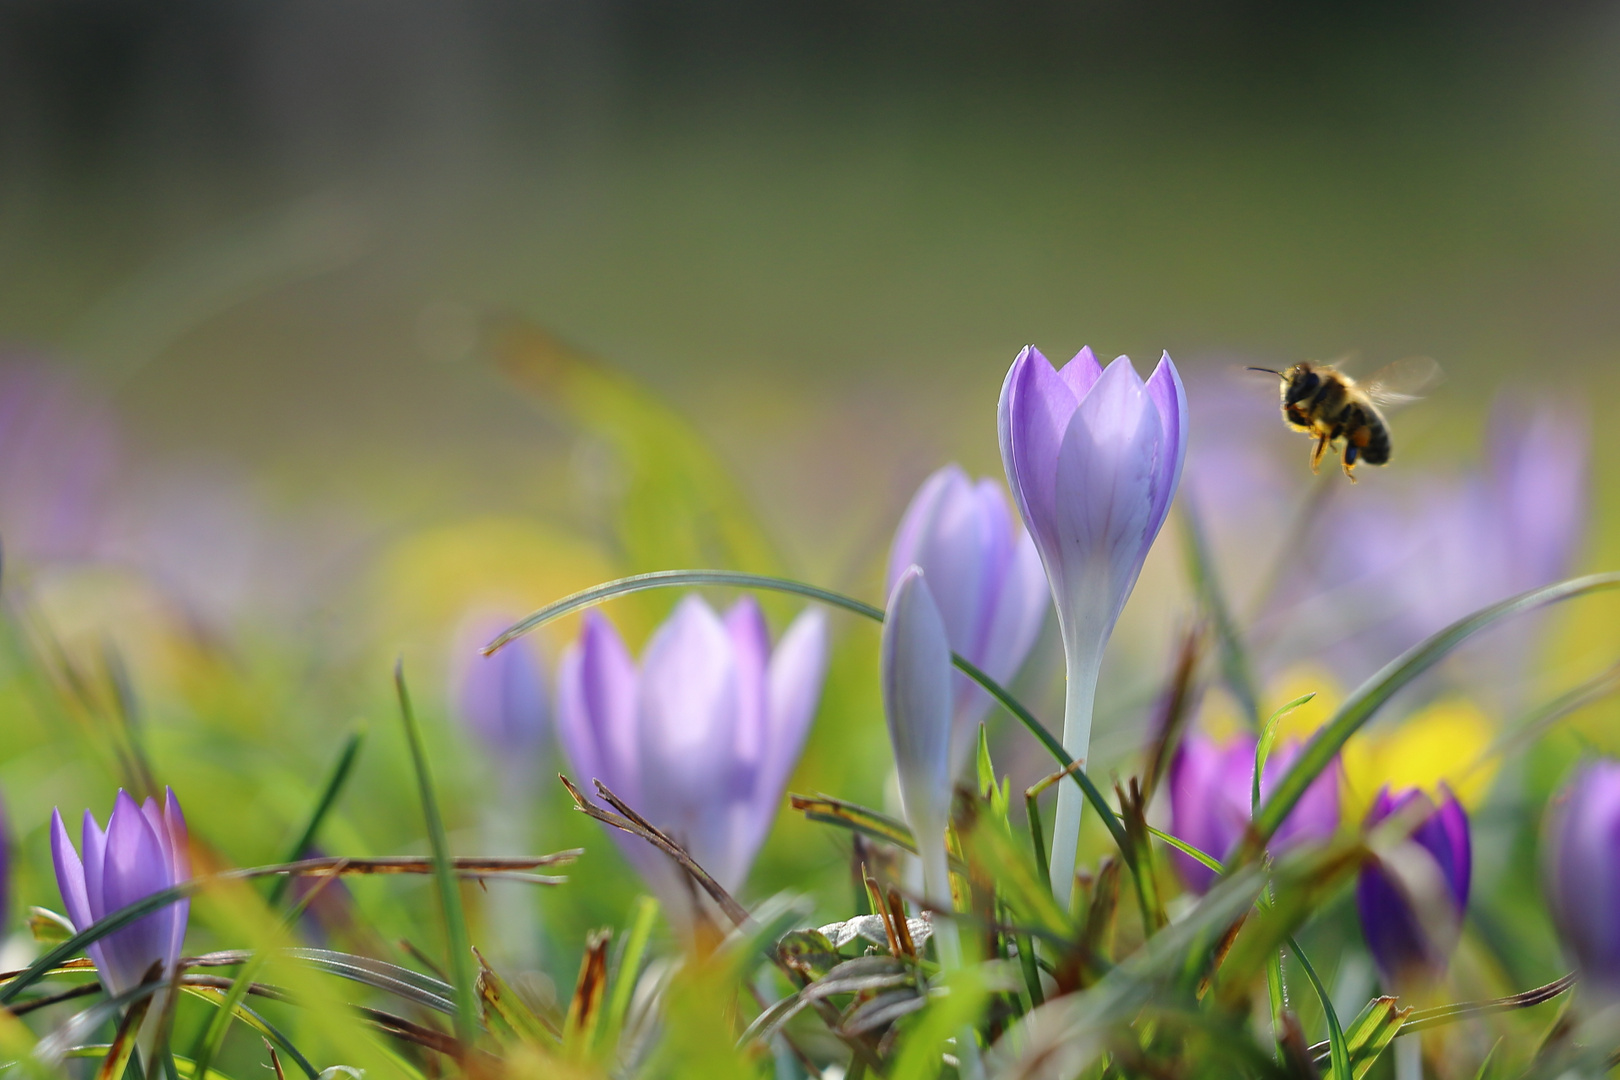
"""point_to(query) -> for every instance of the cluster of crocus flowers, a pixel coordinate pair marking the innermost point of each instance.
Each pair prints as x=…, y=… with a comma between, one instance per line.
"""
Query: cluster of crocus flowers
x=1412, y=898
x=986, y=582
x=1581, y=873
x=1093, y=457
x=142, y=851
x=1212, y=797
x=701, y=738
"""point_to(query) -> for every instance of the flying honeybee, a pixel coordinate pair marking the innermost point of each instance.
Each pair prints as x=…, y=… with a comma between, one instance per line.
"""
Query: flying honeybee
x=1322, y=401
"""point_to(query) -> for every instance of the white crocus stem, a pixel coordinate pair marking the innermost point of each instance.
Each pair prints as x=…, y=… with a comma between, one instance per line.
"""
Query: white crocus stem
x=1409, y=1057
x=1079, y=698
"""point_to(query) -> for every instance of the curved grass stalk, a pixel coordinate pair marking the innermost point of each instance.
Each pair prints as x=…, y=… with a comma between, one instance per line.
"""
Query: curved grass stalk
x=1361, y=705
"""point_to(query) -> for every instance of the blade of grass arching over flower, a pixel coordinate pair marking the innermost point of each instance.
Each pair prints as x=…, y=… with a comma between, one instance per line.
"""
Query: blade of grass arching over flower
x=455, y=919
x=323, y=805
x=676, y=579
x=1236, y=671
x=1262, y=747
x=1338, y=1050
x=1361, y=705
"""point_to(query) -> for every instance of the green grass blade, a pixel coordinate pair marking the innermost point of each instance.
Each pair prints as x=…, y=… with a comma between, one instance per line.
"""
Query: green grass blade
x=1376, y=691
x=676, y=579
x=329, y=797
x=75, y=945
x=635, y=949
x=1188, y=850
x=1262, y=747
x=1338, y=1048
x=260, y=1024
x=455, y=919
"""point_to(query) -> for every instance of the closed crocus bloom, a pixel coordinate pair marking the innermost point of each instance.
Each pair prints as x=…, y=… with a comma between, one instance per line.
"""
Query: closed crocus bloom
x=916, y=670
x=1581, y=872
x=701, y=739
x=1412, y=900
x=1212, y=793
x=986, y=580
x=1093, y=458
x=502, y=696
x=142, y=851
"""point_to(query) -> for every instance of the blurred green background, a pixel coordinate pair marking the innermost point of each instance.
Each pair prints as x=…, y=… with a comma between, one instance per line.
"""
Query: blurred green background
x=405, y=310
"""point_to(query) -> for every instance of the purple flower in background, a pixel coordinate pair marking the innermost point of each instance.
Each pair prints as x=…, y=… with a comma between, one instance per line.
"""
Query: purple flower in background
x=702, y=738
x=986, y=581
x=1093, y=458
x=1581, y=871
x=1405, y=564
x=1412, y=899
x=142, y=851
x=1212, y=791
x=502, y=697
x=58, y=460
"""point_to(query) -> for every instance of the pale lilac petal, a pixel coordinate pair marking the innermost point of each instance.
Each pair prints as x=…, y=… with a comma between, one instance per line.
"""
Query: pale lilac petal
x=952, y=551
x=1082, y=372
x=918, y=520
x=597, y=708
x=797, y=670
x=687, y=724
x=1170, y=399
x=1104, y=488
x=1581, y=869
x=1032, y=417
x=1021, y=607
x=916, y=677
x=751, y=650
x=69, y=874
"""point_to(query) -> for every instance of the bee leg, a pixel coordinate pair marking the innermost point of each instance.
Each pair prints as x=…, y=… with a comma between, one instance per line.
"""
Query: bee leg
x=1351, y=450
x=1318, y=452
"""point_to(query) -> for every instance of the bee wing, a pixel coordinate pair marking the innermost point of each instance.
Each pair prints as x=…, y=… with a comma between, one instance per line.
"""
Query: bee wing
x=1402, y=382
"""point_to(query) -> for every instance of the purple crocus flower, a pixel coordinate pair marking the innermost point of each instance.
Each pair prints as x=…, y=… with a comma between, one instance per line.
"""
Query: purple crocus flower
x=1581, y=872
x=985, y=578
x=502, y=697
x=1412, y=899
x=142, y=851
x=702, y=738
x=1212, y=791
x=1093, y=458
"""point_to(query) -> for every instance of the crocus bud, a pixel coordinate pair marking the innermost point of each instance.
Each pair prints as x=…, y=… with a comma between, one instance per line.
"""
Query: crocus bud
x=142, y=851
x=502, y=697
x=916, y=671
x=1212, y=794
x=1412, y=899
x=986, y=579
x=700, y=740
x=1093, y=458
x=1581, y=872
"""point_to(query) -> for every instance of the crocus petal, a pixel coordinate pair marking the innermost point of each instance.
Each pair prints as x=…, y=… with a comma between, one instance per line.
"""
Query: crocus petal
x=1032, y=417
x=916, y=676
x=502, y=697
x=1170, y=399
x=69, y=874
x=1581, y=871
x=1104, y=490
x=596, y=708
x=1408, y=943
x=136, y=867
x=179, y=868
x=751, y=651
x=1081, y=373
x=94, y=841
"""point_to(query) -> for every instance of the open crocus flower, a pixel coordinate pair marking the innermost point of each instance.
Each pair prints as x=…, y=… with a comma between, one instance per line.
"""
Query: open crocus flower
x=142, y=851
x=986, y=581
x=700, y=740
x=1212, y=794
x=1412, y=899
x=1581, y=872
x=1093, y=458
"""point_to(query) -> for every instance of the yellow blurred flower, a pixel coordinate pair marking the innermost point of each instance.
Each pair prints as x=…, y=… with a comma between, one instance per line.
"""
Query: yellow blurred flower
x=1446, y=741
